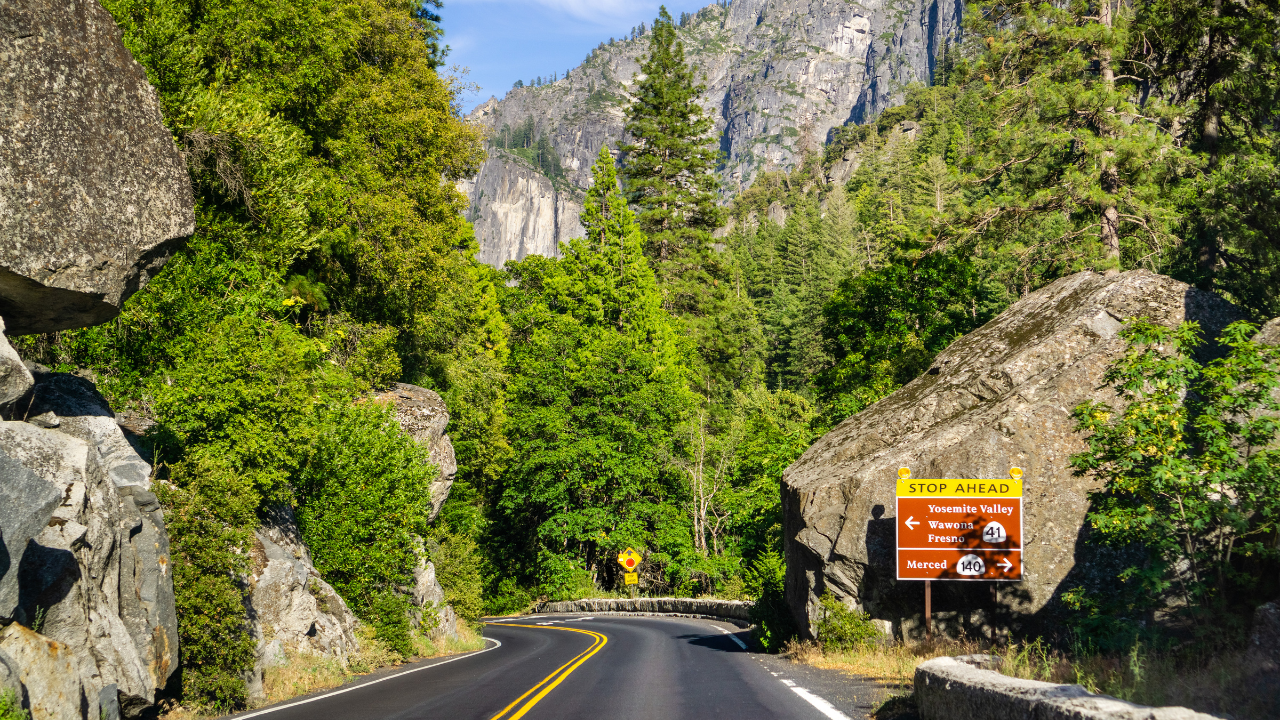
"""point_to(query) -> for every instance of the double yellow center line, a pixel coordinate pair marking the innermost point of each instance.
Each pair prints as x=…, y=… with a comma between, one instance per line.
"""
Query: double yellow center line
x=540, y=690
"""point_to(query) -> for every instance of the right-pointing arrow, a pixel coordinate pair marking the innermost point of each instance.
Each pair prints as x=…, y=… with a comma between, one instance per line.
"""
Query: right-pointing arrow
x=1006, y=565
x=910, y=523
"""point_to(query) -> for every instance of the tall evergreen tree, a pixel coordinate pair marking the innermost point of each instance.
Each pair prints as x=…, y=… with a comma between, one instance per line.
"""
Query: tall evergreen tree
x=670, y=165
x=670, y=179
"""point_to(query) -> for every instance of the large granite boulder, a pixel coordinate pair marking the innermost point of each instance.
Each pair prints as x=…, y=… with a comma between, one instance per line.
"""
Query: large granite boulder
x=422, y=414
x=94, y=196
x=15, y=378
x=95, y=579
x=291, y=608
x=48, y=674
x=999, y=397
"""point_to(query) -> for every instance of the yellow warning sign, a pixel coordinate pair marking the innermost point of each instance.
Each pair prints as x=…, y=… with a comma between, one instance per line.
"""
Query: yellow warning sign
x=632, y=578
x=629, y=559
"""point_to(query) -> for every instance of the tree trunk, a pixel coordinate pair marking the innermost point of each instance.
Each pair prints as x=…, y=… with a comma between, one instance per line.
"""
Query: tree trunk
x=1110, y=179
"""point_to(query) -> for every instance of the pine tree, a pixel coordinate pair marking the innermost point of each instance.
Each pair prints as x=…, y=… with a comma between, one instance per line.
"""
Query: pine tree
x=670, y=165
x=1072, y=162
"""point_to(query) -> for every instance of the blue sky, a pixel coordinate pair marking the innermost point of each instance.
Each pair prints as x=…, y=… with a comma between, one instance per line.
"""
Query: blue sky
x=502, y=41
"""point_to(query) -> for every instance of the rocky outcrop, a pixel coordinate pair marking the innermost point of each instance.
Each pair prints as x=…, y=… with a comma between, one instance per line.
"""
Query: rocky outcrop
x=95, y=579
x=422, y=414
x=431, y=611
x=949, y=689
x=517, y=211
x=780, y=74
x=996, y=398
x=94, y=197
x=291, y=608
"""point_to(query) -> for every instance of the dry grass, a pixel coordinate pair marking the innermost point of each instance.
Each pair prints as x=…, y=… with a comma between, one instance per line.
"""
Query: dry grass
x=1221, y=684
x=891, y=665
x=304, y=673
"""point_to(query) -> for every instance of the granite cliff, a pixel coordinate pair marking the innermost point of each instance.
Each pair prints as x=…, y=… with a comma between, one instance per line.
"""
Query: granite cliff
x=780, y=75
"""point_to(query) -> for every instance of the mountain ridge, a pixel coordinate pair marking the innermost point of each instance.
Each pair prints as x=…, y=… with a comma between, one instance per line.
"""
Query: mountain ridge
x=780, y=75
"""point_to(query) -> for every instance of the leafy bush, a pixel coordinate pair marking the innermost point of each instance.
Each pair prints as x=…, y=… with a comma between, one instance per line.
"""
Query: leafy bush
x=840, y=629
x=457, y=561
x=1190, y=467
x=388, y=612
x=364, y=498
x=766, y=580
x=11, y=707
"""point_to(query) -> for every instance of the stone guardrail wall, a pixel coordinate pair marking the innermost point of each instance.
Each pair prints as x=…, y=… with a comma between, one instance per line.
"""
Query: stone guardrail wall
x=736, y=611
x=957, y=689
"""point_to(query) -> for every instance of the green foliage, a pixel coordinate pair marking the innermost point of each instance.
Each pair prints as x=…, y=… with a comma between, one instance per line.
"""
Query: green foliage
x=766, y=581
x=1190, y=467
x=364, y=497
x=598, y=380
x=884, y=326
x=209, y=543
x=840, y=629
x=457, y=561
x=11, y=707
x=536, y=148
x=388, y=612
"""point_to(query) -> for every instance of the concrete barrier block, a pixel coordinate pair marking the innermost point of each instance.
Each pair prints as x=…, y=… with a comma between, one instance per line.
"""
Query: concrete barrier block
x=949, y=689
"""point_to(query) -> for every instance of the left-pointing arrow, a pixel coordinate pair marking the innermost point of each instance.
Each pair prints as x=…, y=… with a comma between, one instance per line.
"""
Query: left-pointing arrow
x=910, y=522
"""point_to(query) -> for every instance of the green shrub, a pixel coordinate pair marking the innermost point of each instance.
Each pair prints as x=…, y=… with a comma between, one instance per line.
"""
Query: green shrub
x=766, y=579
x=388, y=612
x=840, y=629
x=11, y=707
x=1189, y=466
x=457, y=560
x=507, y=598
x=364, y=496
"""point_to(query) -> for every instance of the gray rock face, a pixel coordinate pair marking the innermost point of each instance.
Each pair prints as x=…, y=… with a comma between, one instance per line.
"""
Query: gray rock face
x=27, y=501
x=996, y=398
x=518, y=212
x=1264, y=640
x=428, y=598
x=291, y=607
x=97, y=575
x=422, y=414
x=780, y=74
x=15, y=378
x=93, y=194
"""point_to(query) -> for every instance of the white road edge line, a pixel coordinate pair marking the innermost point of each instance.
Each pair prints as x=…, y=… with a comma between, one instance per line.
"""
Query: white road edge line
x=732, y=637
x=497, y=644
x=823, y=706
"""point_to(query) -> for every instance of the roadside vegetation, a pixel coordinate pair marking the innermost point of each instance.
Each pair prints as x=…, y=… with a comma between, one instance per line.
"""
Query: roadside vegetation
x=1216, y=681
x=649, y=387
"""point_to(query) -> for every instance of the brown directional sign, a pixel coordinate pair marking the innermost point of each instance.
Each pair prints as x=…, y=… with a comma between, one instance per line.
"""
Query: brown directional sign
x=951, y=529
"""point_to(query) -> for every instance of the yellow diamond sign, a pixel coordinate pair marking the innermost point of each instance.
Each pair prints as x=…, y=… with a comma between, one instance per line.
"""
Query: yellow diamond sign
x=629, y=559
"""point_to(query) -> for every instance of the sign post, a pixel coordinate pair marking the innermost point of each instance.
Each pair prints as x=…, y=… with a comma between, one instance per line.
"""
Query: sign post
x=629, y=560
x=953, y=529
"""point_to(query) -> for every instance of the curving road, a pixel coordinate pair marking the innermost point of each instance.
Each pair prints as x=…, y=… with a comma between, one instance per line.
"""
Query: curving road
x=578, y=668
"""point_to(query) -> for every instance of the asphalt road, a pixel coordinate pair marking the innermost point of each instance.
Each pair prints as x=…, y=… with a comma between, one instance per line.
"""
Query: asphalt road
x=579, y=668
